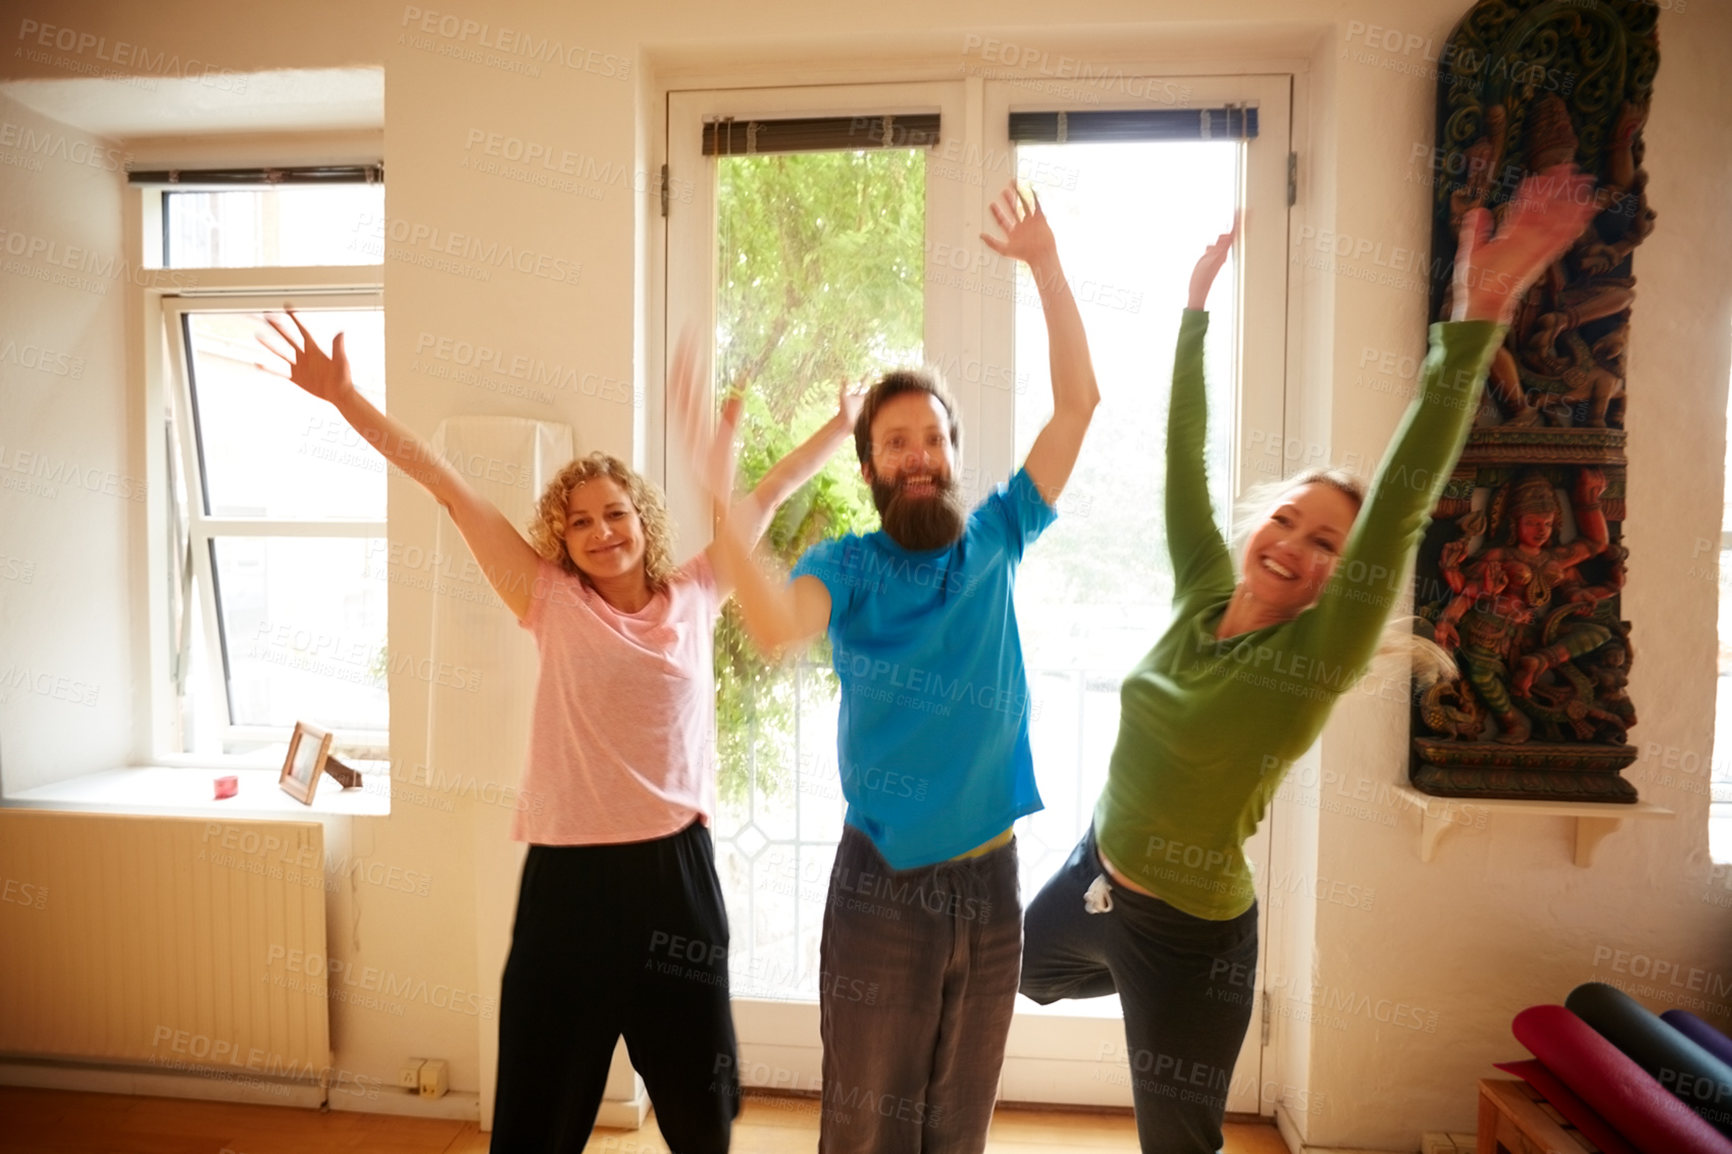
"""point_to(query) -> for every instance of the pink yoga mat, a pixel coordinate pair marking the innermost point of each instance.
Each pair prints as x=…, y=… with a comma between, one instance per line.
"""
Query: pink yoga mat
x=1580, y=1115
x=1626, y=1096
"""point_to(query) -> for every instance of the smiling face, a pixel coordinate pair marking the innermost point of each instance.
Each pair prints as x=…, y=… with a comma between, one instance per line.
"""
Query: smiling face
x=604, y=535
x=911, y=444
x=1292, y=553
x=911, y=472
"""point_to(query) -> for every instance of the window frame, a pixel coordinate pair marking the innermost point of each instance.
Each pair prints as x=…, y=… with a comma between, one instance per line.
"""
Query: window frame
x=1046, y=1058
x=690, y=234
x=202, y=530
x=156, y=351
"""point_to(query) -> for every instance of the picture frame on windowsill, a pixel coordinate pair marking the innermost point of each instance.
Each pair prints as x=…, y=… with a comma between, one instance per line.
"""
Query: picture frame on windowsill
x=308, y=759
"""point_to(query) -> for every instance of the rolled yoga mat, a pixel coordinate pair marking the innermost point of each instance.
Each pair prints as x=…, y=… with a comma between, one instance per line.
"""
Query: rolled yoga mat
x=1700, y=1032
x=1699, y=1079
x=1568, y=1103
x=1625, y=1095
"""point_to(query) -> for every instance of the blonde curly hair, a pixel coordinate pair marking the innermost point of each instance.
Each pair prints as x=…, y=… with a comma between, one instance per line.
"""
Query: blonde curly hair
x=547, y=530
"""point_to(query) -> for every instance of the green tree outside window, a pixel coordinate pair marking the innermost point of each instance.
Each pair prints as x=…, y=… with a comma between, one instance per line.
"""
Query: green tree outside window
x=820, y=270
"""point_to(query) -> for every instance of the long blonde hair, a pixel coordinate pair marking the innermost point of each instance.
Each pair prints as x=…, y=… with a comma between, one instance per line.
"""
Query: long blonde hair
x=1430, y=662
x=547, y=530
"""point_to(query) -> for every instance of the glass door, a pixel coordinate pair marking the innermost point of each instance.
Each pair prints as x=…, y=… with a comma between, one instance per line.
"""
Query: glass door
x=808, y=267
x=805, y=268
x=1132, y=216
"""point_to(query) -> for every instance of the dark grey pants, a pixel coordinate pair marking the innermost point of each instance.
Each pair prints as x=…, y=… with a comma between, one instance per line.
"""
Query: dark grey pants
x=918, y=974
x=1185, y=984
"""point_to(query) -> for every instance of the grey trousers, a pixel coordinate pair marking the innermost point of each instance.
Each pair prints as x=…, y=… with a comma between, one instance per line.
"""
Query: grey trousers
x=918, y=977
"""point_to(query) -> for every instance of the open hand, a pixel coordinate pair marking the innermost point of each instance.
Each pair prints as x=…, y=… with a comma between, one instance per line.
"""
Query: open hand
x=325, y=377
x=1549, y=212
x=1027, y=237
x=1209, y=265
x=1590, y=483
x=711, y=451
x=850, y=399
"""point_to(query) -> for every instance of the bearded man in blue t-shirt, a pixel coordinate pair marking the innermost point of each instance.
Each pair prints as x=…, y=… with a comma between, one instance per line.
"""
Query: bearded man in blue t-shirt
x=922, y=940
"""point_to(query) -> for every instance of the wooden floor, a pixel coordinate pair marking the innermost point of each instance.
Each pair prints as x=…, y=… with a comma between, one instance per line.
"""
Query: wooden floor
x=59, y=1122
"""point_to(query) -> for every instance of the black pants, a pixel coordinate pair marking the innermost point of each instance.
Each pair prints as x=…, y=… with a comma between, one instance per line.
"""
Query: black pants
x=617, y=939
x=1185, y=984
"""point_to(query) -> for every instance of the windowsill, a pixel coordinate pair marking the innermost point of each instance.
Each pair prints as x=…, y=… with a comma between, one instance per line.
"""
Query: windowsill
x=183, y=792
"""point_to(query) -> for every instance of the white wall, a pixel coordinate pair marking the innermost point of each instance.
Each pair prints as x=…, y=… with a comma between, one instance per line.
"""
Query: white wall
x=70, y=494
x=1502, y=920
x=1499, y=921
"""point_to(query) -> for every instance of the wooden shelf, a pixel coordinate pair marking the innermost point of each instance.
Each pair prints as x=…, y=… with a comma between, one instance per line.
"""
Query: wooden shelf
x=1595, y=821
x=1513, y=1116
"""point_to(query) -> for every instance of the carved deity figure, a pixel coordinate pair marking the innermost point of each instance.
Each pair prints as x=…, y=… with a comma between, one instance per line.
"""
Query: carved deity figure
x=1524, y=592
x=1548, y=366
x=1522, y=607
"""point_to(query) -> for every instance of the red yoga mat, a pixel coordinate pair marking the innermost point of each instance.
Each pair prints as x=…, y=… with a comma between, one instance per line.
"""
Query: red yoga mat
x=1580, y=1115
x=1627, y=1097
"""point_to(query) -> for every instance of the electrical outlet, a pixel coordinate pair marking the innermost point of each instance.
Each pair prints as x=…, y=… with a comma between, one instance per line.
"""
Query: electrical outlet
x=433, y=1083
x=409, y=1077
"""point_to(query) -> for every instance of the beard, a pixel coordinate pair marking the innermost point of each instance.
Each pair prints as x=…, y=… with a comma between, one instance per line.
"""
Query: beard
x=920, y=523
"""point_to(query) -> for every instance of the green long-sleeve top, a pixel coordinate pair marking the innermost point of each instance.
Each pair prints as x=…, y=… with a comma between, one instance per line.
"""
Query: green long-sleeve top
x=1208, y=728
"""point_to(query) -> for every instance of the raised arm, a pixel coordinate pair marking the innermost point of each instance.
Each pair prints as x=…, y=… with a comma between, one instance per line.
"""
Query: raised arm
x=1074, y=393
x=1547, y=214
x=1592, y=533
x=505, y=557
x=780, y=616
x=784, y=478
x=777, y=616
x=1194, y=542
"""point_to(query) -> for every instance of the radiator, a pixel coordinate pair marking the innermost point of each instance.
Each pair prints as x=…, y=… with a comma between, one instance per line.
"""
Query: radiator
x=186, y=945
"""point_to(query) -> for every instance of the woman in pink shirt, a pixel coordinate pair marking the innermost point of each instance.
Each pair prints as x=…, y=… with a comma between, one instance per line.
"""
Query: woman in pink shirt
x=620, y=926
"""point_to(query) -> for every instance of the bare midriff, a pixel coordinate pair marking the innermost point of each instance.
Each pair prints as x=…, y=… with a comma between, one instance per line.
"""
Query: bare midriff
x=1119, y=877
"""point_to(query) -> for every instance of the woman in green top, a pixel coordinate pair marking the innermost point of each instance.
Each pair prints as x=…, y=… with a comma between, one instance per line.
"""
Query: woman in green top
x=1242, y=682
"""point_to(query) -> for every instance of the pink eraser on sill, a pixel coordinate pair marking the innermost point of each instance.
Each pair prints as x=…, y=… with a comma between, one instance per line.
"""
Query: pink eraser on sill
x=227, y=787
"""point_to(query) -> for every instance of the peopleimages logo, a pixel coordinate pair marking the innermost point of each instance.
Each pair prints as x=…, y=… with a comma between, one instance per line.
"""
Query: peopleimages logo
x=78, y=267
x=126, y=56
x=59, y=146
x=428, y=245
x=473, y=40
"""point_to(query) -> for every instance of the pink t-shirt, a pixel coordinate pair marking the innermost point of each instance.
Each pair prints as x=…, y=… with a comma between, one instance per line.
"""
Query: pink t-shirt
x=622, y=741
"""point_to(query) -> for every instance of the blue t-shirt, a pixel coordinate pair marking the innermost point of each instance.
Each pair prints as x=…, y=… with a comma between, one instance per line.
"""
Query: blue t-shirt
x=932, y=737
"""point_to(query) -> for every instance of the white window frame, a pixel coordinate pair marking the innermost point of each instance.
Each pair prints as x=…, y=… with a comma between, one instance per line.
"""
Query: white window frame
x=691, y=241
x=1050, y=1057
x=202, y=528
x=157, y=348
x=1078, y=1056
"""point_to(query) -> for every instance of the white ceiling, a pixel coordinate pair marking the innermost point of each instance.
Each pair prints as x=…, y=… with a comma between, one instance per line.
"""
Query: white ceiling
x=308, y=100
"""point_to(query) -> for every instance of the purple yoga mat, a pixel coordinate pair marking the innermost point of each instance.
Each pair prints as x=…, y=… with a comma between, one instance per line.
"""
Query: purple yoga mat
x=1627, y=1097
x=1700, y=1032
x=1580, y=1115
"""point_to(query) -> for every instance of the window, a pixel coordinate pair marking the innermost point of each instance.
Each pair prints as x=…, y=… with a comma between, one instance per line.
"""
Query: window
x=282, y=515
x=1720, y=783
x=269, y=600
x=264, y=227
x=890, y=270
x=817, y=271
